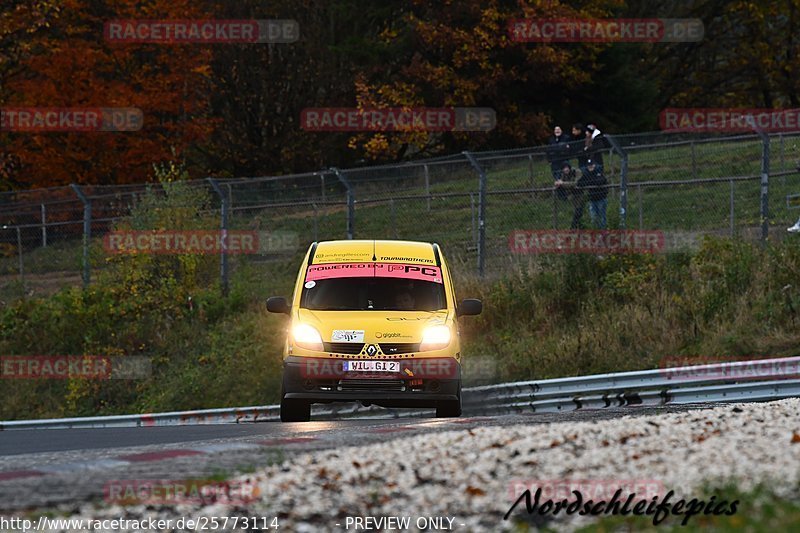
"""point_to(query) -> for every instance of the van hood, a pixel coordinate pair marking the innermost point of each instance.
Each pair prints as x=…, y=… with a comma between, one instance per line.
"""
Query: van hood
x=377, y=326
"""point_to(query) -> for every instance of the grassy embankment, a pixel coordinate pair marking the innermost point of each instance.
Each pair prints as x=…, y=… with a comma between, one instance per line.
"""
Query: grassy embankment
x=545, y=317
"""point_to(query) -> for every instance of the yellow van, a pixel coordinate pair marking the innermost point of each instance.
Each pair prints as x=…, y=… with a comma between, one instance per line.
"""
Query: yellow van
x=374, y=322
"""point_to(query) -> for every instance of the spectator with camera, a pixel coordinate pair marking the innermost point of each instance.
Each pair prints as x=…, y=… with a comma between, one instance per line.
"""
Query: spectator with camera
x=596, y=185
x=594, y=145
x=567, y=189
x=557, y=151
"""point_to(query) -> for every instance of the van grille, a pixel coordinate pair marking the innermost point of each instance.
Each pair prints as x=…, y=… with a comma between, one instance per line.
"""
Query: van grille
x=394, y=385
x=390, y=348
x=343, y=347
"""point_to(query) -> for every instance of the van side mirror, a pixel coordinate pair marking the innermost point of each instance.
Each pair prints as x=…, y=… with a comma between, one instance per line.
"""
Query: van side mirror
x=278, y=304
x=470, y=307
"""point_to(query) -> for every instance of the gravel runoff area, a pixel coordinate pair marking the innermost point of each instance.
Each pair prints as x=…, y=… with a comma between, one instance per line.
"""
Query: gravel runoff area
x=473, y=476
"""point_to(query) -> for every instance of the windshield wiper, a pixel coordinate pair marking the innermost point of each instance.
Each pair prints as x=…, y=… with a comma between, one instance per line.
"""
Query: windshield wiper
x=405, y=309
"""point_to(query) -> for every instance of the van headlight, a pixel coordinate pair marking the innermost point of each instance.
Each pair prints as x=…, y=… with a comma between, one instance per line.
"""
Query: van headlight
x=435, y=338
x=307, y=337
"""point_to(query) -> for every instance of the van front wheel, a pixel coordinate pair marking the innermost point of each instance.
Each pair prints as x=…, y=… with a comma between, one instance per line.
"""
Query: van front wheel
x=449, y=408
x=295, y=410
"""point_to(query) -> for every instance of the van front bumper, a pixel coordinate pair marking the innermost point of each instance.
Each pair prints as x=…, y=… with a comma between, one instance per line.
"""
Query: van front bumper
x=421, y=382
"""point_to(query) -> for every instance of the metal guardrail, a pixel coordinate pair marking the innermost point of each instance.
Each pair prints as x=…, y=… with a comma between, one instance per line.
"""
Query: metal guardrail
x=751, y=381
x=666, y=380
x=230, y=415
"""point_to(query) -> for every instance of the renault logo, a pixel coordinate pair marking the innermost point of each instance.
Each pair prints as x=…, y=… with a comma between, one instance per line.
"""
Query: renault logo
x=372, y=350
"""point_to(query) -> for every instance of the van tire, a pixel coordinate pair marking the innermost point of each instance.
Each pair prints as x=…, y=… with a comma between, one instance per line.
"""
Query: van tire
x=450, y=408
x=295, y=410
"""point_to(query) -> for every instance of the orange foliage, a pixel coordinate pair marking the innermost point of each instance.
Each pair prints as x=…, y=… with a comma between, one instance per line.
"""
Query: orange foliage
x=72, y=65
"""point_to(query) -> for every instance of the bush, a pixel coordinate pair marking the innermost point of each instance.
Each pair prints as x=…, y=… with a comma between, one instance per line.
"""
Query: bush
x=204, y=349
x=581, y=315
x=557, y=316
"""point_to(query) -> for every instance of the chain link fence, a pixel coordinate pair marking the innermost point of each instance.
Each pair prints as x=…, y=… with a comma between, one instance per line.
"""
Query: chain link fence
x=470, y=203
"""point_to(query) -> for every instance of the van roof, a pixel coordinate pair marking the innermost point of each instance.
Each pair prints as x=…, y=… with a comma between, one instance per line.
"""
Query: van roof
x=361, y=251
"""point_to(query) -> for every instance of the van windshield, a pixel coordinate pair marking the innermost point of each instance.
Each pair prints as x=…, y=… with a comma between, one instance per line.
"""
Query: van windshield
x=373, y=294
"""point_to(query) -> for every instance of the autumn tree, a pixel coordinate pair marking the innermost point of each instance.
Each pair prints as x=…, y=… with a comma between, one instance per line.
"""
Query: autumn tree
x=461, y=54
x=399, y=53
x=72, y=65
x=234, y=109
x=21, y=23
x=262, y=89
x=748, y=57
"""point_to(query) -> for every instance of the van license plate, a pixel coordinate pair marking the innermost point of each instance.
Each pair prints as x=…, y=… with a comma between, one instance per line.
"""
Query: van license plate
x=371, y=366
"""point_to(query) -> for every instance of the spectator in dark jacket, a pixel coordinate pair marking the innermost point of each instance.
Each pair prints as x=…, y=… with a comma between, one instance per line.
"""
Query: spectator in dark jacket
x=557, y=151
x=595, y=144
x=567, y=189
x=577, y=145
x=564, y=181
x=596, y=185
x=578, y=132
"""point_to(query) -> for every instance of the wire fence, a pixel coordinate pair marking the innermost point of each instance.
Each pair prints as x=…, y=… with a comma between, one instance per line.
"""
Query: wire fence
x=473, y=204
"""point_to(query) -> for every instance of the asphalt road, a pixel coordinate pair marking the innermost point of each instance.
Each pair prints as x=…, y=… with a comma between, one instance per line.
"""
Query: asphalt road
x=18, y=442
x=66, y=467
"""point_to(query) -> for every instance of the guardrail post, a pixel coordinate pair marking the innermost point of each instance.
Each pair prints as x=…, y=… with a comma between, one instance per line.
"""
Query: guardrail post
x=427, y=186
x=765, y=189
x=316, y=222
x=764, y=209
x=394, y=216
x=322, y=185
x=530, y=175
x=223, y=262
x=472, y=212
x=351, y=203
x=481, y=212
x=44, y=227
x=732, y=208
x=21, y=262
x=87, y=232
x=641, y=206
x=623, y=192
x=623, y=181
x=19, y=256
x=555, y=208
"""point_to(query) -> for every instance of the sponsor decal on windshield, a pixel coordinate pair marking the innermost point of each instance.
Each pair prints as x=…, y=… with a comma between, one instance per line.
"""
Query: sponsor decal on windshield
x=406, y=259
x=374, y=270
x=334, y=257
